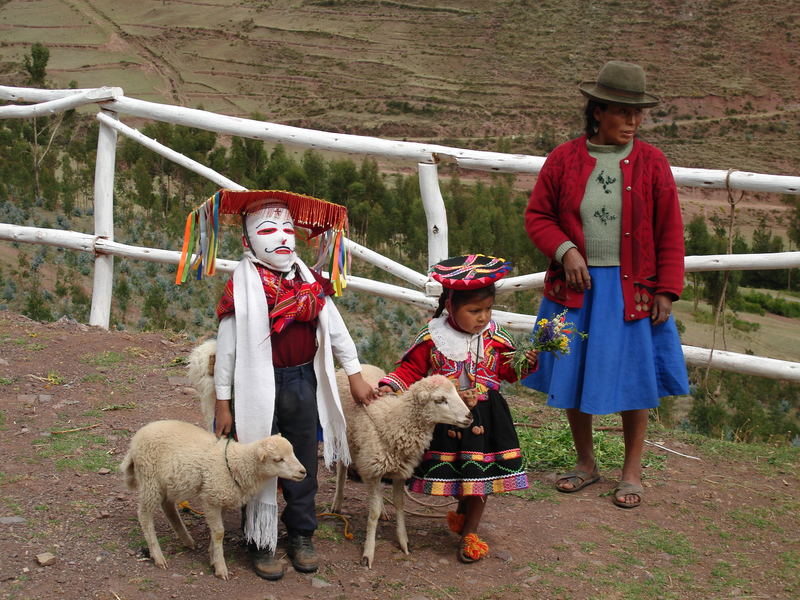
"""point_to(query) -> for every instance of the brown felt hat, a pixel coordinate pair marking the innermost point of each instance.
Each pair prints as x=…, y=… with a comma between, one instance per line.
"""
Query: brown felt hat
x=621, y=83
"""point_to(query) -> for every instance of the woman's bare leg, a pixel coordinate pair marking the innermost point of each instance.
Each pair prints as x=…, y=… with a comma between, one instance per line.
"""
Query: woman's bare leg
x=634, y=429
x=581, y=425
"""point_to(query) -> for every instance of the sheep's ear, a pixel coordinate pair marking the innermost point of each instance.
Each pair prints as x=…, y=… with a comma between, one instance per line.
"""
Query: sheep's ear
x=264, y=451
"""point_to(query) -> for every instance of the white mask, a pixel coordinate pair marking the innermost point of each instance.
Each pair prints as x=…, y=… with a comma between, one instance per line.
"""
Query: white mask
x=270, y=231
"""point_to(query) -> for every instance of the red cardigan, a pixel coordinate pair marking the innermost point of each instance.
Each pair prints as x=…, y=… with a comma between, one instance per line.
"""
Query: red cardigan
x=651, y=244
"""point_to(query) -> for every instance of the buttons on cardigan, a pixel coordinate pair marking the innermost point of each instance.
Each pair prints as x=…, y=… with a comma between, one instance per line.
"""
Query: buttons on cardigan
x=627, y=234
x=628, y=188
x=632, y=315
x=624, y=277
x=626, y=161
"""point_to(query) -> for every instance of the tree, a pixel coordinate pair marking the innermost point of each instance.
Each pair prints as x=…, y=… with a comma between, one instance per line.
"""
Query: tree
x=36, y=64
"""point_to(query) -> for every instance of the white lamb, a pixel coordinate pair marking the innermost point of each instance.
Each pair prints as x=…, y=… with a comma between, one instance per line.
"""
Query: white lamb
x=173, y=460
x=388, y=439
x=201, y=374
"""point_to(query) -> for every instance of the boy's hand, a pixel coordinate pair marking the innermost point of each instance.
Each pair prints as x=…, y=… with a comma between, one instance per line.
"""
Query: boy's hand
x=223, y=418
x=362, y=392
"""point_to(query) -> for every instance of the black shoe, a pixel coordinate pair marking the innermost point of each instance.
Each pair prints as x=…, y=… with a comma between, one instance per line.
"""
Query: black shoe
x=300, y=549
x=266, y=565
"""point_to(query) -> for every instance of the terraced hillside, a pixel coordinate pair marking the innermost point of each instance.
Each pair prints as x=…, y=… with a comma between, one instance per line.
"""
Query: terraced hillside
x=462, y=71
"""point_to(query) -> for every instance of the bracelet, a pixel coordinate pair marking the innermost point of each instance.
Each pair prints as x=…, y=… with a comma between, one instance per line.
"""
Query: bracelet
x=225, y=400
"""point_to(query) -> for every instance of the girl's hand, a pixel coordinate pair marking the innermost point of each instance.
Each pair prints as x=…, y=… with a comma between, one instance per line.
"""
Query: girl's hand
x=662, y=309
x=362, y=392
x=223, y=418
x=469, y=396
x=384, y=389
x=533, y=358
x=576, y=271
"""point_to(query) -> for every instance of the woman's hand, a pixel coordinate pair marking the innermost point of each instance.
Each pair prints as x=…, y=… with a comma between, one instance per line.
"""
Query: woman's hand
x=362, y=392
x=223, y=417
x=576, y=271
x=662, y=309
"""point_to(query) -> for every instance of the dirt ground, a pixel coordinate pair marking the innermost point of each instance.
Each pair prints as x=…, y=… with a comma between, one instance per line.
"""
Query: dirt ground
x=724, y=526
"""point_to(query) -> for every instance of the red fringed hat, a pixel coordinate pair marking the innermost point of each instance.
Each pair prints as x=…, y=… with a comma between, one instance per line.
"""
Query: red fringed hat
x=319, y=217
x=470, y=272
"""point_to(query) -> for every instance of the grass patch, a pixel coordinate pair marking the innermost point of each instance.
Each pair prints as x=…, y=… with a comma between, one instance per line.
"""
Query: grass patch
x=107, y=358
x=126, y=406
x=6, y=380
x=673, y=543
x=95, y=378
x=78, y=450
x=769, y=459
x=14, y=506
x=757, y=516
x=536, y=491
x=326, y=531
x=549, y=447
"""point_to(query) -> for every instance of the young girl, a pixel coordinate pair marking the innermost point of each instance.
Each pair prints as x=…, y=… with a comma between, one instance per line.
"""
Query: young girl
x=463, y=343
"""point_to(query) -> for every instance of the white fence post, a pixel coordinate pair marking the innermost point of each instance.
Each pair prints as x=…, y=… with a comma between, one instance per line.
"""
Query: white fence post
x=435, y=213
x=104, y=224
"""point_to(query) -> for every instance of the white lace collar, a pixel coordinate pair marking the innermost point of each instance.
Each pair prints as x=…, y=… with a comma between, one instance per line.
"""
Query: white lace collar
x=456, y=345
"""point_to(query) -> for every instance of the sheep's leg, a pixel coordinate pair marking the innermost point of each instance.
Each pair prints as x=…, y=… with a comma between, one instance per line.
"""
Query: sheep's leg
x=174, y=518
x=375, y=505
x=338, y=496
x=149, y=500
x=217, y=529
x=400, y=514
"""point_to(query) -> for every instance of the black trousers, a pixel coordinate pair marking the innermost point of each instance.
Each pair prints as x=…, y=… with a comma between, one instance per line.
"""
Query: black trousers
x=296, y=419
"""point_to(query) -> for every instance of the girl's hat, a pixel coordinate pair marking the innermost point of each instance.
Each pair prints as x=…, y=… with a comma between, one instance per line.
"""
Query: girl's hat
x=321, y=218
x=470, y=272
x=621, y=83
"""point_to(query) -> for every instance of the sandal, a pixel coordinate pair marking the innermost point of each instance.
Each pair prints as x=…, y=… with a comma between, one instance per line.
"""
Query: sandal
x=579, y=479
x=623, y=489
x=455, y=521
x=472, y=549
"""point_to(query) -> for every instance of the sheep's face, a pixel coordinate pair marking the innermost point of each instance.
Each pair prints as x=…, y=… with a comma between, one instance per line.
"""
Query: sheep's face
x=441, y=402
x=276, y=455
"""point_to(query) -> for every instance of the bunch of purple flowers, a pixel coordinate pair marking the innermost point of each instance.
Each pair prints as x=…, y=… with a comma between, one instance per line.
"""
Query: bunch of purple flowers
x=549, y=335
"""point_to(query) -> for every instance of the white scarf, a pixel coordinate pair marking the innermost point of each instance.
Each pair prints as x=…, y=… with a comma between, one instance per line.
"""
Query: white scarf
x=254, y=390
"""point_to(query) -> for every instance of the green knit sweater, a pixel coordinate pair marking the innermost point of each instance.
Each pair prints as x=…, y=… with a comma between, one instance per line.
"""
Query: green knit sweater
x=601, y=207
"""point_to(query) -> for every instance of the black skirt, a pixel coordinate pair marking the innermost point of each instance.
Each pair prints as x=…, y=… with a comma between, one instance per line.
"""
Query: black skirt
x=482, y=459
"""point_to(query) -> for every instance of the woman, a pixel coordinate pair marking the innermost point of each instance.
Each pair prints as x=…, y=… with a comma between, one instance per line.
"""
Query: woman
x=605, y=210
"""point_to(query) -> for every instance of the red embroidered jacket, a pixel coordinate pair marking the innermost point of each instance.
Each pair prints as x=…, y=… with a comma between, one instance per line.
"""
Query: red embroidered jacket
x=651, y=244
x=423, y=359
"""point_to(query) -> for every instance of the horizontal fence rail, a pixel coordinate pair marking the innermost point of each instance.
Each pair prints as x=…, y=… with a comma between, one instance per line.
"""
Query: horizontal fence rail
x=353, y=144
x=113, y=103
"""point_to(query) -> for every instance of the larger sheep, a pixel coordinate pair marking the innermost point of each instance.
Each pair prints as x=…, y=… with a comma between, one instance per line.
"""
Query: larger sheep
x=388, y=439
x=170, y=461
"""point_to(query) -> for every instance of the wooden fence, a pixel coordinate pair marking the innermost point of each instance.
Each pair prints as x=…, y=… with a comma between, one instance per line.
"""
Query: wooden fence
x=112, y=103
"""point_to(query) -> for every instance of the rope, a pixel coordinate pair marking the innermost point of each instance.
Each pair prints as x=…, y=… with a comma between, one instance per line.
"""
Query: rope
x=720, y=310
x=347, y=534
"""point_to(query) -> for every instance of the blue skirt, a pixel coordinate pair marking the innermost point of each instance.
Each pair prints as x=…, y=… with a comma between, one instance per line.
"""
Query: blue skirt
x=622, y=365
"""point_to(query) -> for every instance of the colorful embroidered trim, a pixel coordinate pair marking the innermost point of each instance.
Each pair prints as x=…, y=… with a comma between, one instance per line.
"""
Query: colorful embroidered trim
x=326, y=221
x=469, y=272
x=395, y=382
x=431, y=487
x=480, y=457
